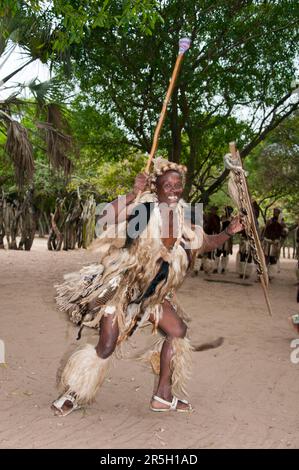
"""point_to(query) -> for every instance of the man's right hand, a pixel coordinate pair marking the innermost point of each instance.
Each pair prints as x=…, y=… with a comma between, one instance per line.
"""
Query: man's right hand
x=140, y=184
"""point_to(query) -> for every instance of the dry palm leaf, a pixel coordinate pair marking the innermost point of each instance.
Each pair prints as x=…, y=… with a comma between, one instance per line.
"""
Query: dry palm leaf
x=19, y=148
x=59, y=143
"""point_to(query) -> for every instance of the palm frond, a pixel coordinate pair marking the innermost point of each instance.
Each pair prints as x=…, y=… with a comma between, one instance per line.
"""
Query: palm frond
x=47, y=91
x=19, y=148
x=11, y=100
x=6, y=53
x=40, y=90
x=56, y=115
x=58, y=140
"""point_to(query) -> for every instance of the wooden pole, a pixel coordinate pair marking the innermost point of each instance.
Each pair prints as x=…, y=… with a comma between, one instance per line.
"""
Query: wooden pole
x=184, y=46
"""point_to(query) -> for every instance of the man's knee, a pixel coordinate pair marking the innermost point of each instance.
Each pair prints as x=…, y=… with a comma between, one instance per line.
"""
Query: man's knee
x=180, y=330
x=105, y=349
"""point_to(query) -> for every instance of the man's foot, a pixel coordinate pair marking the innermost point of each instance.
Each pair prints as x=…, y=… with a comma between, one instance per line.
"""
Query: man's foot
x=158, y=404
x=64, y=405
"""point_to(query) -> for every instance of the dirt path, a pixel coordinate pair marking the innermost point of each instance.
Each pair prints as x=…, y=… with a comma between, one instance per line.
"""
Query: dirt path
x=245, y=393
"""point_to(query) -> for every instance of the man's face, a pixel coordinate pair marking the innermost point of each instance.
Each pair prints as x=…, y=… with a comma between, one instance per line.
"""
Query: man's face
x=170, y=188
x=276, y=213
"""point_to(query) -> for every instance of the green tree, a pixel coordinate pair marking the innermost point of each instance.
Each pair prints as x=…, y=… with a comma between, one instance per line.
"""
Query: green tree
x=108, y=163
x=70, y=21
x=242, y=60
x=274, y=169
x=46, y=31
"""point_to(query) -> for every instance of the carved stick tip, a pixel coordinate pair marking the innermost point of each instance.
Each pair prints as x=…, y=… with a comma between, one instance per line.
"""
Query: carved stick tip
x=184, y=44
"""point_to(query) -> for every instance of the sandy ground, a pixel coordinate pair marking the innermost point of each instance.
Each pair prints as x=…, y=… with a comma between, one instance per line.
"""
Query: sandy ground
x=245, y=393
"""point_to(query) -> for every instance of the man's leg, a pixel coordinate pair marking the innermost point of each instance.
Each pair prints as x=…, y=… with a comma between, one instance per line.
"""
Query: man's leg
x=224, y=262
x=217, y=268
x=86, y=369
x=197, y=265
x=174, y=327
x=109, y=332
x=208, y=263
x=272, y=267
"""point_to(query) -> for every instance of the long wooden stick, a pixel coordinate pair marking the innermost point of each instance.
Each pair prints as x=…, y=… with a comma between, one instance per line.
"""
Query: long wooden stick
x=264, y=275
x=184, y=45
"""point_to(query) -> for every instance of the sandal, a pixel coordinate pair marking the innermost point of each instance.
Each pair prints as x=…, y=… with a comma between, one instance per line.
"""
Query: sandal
x=172, y=405
x=57, y=405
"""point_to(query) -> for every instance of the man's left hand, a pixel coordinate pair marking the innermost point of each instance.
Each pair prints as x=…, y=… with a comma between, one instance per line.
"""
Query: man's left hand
x=235, y=226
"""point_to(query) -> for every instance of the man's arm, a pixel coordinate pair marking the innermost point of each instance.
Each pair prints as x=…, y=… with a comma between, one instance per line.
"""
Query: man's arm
x=211, y=242
x=117, y=210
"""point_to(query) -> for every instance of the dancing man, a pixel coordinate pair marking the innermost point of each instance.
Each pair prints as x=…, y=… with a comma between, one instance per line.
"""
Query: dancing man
x=134, y=283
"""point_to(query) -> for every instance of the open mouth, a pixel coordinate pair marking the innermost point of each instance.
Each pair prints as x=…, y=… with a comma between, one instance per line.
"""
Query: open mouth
x=173, y=198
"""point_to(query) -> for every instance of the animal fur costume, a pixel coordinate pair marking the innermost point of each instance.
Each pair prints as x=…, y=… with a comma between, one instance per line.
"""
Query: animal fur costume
x=132, y=280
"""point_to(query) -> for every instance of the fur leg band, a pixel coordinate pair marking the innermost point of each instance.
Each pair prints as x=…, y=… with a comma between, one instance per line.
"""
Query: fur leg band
x=83, y=374
x=181, y=362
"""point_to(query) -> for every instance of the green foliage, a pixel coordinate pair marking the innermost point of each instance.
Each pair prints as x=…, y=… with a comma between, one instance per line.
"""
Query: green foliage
x=76, y=18
x=6, y=168
x=69, y=21
x=274, y=169
x=46, y=31
x=121, y=54
x=220, y=199
x=25, y=24
x=104, y=164
x=97, y=137
x=241, y=60
x=110, y=179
